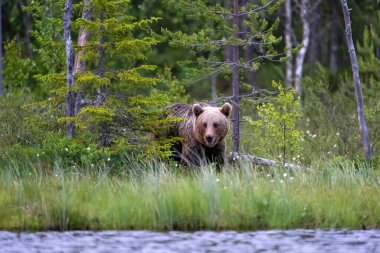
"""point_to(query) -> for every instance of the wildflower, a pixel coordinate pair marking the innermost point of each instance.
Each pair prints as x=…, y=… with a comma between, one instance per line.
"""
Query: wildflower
x=285, y=175
x=294, y=158
x=66, y=149
x=281, y=181
x=302, y=139
x=272, y=181
x=217, y=180
x=314, y=135
x=308, y=120
x=268, y=175
x=30, y=173
x=88, y=148
x=329, y=152
x=308, y=132
x=176, y=164
x=38, y=155
x=56, y=175
x=335, y=146
x=108, y=159
x=92, y=165
x=225, y=187
x=291, y=178
x=337, y=134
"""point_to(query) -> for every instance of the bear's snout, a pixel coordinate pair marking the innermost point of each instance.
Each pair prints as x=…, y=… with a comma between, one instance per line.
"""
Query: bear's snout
x=209, y=139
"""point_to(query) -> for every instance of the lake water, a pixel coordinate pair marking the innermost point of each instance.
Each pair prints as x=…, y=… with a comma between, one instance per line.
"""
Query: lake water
x=288, y=241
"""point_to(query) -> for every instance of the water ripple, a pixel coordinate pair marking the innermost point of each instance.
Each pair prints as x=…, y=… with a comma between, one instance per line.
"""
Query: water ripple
x=300, y=240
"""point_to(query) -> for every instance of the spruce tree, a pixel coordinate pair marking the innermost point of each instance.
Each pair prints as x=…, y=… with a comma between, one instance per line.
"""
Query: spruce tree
x=113, y=99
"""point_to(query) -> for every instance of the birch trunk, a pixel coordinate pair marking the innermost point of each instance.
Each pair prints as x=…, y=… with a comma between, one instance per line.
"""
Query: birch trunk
x=358, y=90
x=288, y=43
x=305, y=42
x=235, y=81
x=70, y=98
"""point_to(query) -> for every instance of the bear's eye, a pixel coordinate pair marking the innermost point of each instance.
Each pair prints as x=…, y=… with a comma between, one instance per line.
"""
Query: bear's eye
x=216, y=125
x=205, y=124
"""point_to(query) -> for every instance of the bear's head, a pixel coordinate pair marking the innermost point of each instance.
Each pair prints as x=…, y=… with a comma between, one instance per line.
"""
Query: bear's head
x=211, y=123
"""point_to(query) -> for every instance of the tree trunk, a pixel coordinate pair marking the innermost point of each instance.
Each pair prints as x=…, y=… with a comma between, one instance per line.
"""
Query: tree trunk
x=305, y=42
x=70, y=99
x=79, y=64
x=334, y=41
x=27, y=23
x=315, y=39
x=83, y=36
x=1, y=53
x=288, y=42
x=358, y=90
x=214, y=95
x=235, y=82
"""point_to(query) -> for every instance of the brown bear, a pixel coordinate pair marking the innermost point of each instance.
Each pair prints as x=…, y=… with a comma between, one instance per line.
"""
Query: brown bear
x=203, y=131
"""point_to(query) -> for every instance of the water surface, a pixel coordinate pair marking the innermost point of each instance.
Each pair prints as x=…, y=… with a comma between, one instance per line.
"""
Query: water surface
x=288, y=241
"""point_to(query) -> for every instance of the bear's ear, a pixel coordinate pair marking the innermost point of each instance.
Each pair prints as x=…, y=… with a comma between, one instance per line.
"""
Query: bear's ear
x=226, y=109
x=197, y=110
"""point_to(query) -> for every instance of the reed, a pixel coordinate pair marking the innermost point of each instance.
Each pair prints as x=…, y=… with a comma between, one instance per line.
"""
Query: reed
x=154, y=196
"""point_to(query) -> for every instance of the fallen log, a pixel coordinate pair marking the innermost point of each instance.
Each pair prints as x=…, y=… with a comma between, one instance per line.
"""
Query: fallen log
x=233, y=157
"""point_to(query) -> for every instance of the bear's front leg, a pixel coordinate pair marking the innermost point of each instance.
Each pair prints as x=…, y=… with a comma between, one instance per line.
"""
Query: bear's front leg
x=192, y=155
x=217, y=154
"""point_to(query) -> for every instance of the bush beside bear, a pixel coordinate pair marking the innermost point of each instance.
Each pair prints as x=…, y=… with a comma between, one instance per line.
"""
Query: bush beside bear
x=203, y=130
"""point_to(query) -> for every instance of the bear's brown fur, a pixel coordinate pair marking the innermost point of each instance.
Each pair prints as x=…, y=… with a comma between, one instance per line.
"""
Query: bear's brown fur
x=203, y=130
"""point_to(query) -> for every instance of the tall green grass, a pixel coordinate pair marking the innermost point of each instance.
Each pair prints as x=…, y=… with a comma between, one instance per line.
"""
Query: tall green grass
x=156, y=197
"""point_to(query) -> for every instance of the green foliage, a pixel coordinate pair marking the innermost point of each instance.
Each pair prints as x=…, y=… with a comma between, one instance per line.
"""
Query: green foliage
x=369, y=65
x=115, y=86
x=275, y=127
x=47, y=32
x=208, y=43
x=17, y=69
x=330, y=123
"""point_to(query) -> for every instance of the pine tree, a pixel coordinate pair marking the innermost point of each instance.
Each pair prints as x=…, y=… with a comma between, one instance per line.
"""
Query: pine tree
x=219, y=34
